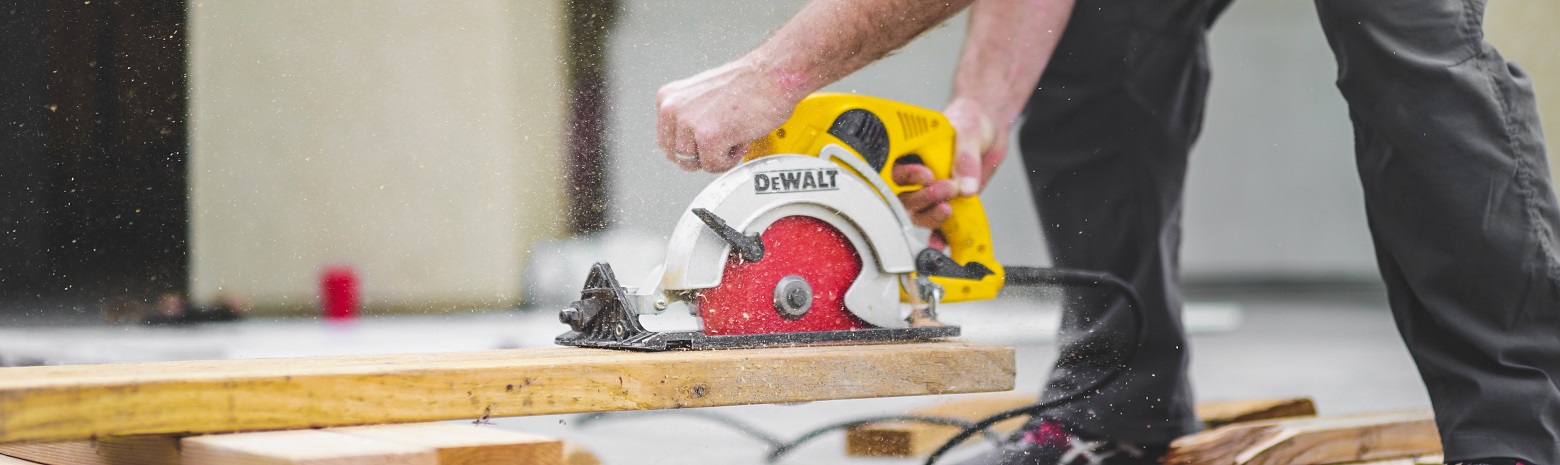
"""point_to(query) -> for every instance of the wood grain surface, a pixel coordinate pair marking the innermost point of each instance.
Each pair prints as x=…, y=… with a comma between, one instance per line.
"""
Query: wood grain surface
x=1311, y=441
x=86, y=401
x=132, y=450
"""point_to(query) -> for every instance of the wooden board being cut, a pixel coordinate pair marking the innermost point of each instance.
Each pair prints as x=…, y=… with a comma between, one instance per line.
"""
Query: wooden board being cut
x=910, y=439
x=85, y=401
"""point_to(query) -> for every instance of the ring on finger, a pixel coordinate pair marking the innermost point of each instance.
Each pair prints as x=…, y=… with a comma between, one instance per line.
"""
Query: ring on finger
x=687, y=157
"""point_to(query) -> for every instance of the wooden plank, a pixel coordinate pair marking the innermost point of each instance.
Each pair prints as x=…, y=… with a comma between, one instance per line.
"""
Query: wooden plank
x=131, y=450
x=457, y=444
x=84, y=401
x=302, y=447
x=454, y=444
x=1311, y=441
x=1219, y=413
x=910, y=439
x=576, y=454
x=7, y=460
x=913, y=439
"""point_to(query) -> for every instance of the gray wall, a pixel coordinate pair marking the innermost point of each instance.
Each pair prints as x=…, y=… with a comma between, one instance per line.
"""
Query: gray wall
x=1272, y=191
x=419, y=142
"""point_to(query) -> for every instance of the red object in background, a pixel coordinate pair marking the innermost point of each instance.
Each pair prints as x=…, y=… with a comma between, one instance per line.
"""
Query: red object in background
x=339, y=296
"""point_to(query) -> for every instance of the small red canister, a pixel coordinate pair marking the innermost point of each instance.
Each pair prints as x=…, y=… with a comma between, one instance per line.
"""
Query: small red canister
x=339, y=297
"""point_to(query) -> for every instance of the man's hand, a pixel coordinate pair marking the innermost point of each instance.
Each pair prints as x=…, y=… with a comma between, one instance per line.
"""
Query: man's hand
x=980, y=147
x=705, y=121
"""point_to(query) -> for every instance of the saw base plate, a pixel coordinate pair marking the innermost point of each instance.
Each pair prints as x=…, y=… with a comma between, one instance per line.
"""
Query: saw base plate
x=694, y=340
x=605, y=318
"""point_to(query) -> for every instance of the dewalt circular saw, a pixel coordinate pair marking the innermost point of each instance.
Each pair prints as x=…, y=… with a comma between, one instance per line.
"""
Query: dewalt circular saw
x=805, y=242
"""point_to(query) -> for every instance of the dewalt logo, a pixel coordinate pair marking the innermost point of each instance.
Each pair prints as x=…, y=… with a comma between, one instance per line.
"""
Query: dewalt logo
x=803, y=180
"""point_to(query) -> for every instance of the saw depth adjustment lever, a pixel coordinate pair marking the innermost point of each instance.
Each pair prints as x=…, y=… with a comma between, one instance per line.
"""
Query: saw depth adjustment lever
x=750, y=246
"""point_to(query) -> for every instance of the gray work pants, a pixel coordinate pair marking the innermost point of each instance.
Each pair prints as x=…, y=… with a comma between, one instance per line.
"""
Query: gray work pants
x=1456, y=186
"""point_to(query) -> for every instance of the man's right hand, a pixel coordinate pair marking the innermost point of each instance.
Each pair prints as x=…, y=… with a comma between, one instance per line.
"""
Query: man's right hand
x=980, y=147
x=705, y=121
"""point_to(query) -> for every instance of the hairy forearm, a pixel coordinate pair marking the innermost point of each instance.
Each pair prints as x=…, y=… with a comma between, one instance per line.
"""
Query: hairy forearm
x=1007, y=47
x=829, y=39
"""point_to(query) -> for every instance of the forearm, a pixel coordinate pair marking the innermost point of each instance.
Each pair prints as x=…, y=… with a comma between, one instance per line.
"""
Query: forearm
x=1007, y=47
x=829, y=39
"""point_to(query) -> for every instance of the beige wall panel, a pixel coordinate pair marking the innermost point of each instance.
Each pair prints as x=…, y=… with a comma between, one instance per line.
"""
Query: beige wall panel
x=420, y=142
x=1525, y=32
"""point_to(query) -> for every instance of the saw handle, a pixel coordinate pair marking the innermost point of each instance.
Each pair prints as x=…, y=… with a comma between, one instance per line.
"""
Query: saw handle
x=967, y=232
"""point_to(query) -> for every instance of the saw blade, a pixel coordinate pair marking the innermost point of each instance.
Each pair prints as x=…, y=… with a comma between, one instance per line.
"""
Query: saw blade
x=798, y=286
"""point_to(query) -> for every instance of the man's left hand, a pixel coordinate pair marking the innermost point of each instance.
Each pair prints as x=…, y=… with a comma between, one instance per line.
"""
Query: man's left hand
x=705, y=121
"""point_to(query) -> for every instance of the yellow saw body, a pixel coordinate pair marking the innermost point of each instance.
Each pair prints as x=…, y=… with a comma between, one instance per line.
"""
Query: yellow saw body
x=909, y=131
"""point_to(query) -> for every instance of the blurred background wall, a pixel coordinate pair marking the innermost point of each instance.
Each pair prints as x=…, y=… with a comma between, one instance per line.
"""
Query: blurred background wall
x=210, y=145
x=419, y=142
x=1526, y=34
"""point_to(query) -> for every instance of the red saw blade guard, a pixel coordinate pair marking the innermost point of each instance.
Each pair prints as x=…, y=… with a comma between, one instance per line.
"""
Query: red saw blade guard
x=744, y=301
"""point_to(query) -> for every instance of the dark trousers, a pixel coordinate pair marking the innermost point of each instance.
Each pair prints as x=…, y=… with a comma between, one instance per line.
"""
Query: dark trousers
x=1456, y=186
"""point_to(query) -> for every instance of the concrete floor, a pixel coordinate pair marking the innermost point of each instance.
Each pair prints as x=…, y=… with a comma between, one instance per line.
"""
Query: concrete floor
x=1336, y=345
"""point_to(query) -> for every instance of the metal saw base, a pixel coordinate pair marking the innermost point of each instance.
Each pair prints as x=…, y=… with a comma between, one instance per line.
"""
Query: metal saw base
x=605, y=317
x=694, y=340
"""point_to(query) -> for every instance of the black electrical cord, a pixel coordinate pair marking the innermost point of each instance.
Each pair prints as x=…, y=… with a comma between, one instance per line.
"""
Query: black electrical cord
x=1032, y=276
x=777, y=447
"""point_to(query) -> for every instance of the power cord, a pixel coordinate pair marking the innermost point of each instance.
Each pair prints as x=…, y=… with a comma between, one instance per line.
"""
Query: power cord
x=1033, y=276
x=777, y=447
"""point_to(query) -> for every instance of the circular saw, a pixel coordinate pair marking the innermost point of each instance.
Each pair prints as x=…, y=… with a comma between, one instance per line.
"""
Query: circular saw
x=805, y=242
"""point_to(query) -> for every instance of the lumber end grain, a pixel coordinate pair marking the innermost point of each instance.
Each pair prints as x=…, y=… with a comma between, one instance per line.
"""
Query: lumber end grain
x=888, y=439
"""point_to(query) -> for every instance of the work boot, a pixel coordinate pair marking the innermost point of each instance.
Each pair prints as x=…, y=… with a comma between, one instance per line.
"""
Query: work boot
x=1051, y=442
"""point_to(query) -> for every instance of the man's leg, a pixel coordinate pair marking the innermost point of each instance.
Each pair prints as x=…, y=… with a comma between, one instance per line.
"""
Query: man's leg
x=1463, y=215
x=1105, y=143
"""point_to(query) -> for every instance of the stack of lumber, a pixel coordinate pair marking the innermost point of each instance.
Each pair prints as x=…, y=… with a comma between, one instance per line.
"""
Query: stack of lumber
x=411, y=444
x=1246, y=432
x=1312, y=441
x=311, y=410
x=910, y=439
